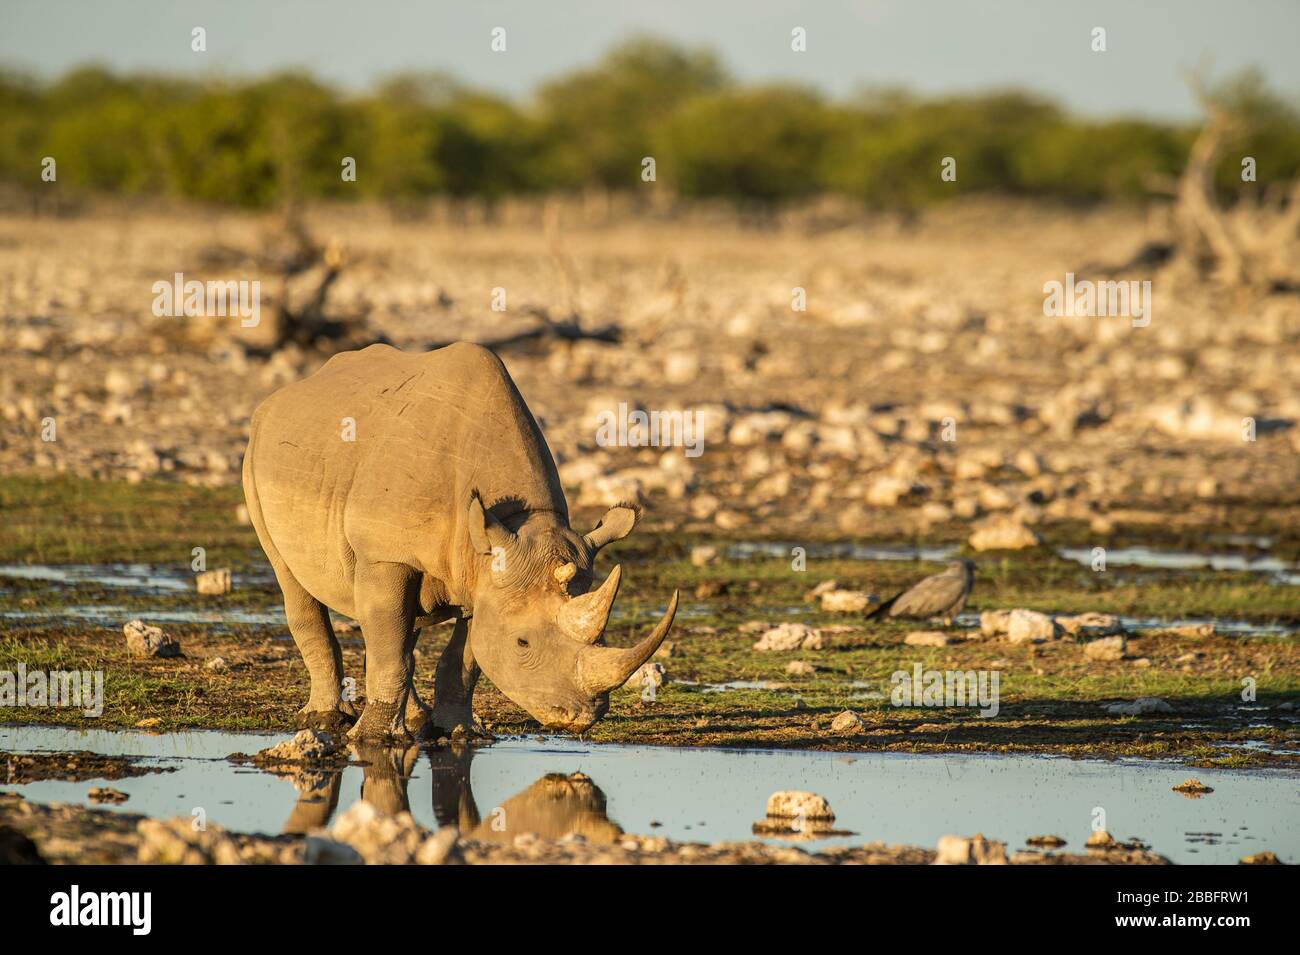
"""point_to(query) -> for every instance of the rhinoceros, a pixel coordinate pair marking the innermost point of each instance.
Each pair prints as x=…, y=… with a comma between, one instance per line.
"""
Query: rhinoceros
x=405, y=489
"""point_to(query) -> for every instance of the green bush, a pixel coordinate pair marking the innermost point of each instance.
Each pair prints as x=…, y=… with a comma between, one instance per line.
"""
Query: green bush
x=283, y=138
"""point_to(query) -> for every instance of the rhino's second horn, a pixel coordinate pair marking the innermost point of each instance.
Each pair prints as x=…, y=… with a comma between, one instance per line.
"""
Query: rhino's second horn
x=584, y=618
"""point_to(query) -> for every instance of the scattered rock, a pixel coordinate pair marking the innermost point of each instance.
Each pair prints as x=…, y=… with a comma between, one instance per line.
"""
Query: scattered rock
x=825, y=587
x=845, y=601
x=800, y=668
x=217, y=665
x=304, y=746
x=796, y=804
x=1261, y=858
x=975, y=850
x=382, y=839
x=213, y=583
x=143, y=640
x=649, y=674
x=1193, y=787
x=1045, y=842
x=708, y=589
x=1003, y=533
x=927, y=638
x=1091, y=625
x=848, y=723
x=1100, y=839
x=791, y=636
x=441, y=848
x=1030, y=626
x=994, y=623
x=1139, y=707
x=1106, y=649
x=704, y=554
x=106, y=794
x=887, y=491
x=176, y=842
x=754, y=626
x=1193, y=631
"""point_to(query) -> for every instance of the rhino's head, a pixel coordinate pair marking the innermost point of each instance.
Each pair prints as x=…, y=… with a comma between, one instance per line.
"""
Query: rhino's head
x=538, y=626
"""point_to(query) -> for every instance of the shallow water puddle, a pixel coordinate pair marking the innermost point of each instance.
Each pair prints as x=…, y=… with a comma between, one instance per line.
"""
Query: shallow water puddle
x=746, y=550
x=699, y=794
x=128, y=576
x=1279, y=571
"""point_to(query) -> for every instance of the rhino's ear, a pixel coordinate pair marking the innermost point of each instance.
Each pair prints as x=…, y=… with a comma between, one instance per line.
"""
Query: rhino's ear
x=614, y=526
x=485, y=531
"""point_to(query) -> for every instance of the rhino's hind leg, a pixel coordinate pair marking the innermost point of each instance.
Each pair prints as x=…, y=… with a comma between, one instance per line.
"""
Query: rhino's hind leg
x=309, y=622
x=385, y=597
x=453, y=685
x=417, y=711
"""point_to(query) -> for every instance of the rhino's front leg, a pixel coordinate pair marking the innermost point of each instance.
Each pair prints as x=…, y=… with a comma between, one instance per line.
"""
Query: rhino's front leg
x=385, y=597
x=453, y=684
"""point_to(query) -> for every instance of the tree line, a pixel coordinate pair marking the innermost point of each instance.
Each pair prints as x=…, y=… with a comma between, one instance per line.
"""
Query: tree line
x=283, y=138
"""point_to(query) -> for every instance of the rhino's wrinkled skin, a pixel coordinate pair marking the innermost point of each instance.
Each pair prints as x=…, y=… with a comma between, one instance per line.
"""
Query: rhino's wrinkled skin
x=402, y=489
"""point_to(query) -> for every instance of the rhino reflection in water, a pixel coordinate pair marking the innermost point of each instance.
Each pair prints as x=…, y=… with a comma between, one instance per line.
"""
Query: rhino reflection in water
x=406, y=489
x=555, y=806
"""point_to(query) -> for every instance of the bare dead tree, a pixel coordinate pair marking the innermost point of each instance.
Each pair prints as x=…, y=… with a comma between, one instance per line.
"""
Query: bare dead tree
x=1251, y=244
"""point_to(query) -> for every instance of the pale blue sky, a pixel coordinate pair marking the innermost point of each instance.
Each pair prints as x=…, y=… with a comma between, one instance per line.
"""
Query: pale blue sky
x=931, y=46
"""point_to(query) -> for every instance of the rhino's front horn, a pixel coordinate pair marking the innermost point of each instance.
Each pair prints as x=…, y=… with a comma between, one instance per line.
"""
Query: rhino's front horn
x=601, y=669
x=584, y=618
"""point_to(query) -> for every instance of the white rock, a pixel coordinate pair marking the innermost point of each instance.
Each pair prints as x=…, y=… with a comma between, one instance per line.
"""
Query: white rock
x=380, y=839
x=704, y=554
x=176, y=842
x=213, y=582
x=848, y=723
x=994, y=623
x=441, y=848
x=887, y=491
x=1030, y=626
x=795, y=804
x=845, y=601
x=1003, y=533
x=975, y=850
x=704, y=506
x=1107, y=648
x=303, y=745
x=791, y=636
x=800, y=668
x=143, y=640
x=927, y=638
x=649, y=674
x=1091, y=624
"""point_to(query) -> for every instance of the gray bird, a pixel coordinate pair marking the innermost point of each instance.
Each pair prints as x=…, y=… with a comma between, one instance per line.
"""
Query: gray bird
x=942, y=595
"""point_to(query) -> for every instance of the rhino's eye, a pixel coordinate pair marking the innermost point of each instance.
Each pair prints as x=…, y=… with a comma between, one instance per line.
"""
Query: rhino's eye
x=522, y=642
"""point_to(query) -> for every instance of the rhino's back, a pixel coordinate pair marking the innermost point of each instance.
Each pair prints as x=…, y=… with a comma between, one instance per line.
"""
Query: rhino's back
x=376, y=453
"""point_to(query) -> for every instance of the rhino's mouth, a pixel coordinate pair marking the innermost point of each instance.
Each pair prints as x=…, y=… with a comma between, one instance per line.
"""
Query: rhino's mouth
x=574, y=719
